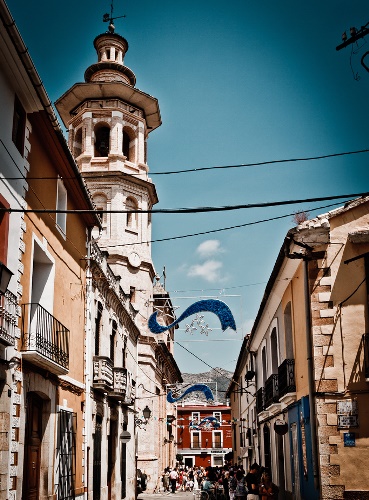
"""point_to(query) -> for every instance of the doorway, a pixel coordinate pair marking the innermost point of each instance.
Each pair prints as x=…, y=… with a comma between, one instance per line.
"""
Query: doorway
x=32, y=447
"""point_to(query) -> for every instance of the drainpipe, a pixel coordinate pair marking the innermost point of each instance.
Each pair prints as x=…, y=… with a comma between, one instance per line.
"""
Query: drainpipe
x=306, y=256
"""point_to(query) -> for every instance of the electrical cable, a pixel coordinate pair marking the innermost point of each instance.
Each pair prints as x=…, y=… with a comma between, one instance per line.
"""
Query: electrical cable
x=217, y=167
x=221, y=229
x=184, y=210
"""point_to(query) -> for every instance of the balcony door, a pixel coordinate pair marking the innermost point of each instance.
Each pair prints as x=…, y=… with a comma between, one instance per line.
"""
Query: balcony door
x=32, y=448
x=96, y=472
x=43, y=275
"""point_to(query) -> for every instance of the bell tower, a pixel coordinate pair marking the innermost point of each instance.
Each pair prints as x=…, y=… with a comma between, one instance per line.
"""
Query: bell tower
x=108, y=121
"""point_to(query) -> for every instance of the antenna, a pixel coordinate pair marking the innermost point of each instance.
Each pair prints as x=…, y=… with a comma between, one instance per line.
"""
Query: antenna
x=110, y=18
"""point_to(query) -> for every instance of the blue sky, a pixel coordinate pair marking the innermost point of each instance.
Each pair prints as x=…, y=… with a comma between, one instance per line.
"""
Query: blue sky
x=237, y=82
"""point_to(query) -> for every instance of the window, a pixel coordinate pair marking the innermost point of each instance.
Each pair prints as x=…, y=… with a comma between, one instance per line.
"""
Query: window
x=112, y=341
x=67, y=454
x=287, y=316
x=217, y=439
x=195, y=440
x=98, y=327
x=102, y=140
x=132, y=217
x=61, y=204
x=4, y=230
x=218, y=416
x=101, y=208
x=195, y=417
x=19, y=125
x=128, y=145
x=77, y=143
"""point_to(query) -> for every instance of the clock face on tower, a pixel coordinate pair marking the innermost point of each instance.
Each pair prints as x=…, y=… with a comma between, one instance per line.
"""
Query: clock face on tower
x=134, y=259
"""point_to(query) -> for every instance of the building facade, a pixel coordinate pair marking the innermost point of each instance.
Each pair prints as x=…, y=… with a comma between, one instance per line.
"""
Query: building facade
x=204, y=433
x=303, y=371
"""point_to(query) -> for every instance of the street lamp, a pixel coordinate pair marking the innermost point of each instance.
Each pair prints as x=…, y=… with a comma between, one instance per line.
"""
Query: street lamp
x=139, y=422
x=5, y=275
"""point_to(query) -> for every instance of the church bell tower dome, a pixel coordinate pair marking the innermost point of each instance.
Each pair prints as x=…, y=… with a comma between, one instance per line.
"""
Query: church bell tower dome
x=111, y=49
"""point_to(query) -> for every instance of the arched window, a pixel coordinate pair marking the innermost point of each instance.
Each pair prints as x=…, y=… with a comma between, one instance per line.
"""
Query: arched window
x=101, y=204
x=274, y=350
x=129, y=144
x=131, y=204
x=102, y=140
x=264, y=364
x=77, y=143
x=288, y=331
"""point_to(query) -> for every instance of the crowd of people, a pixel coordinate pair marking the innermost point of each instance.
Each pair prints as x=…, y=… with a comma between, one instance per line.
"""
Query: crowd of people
x=221, y=483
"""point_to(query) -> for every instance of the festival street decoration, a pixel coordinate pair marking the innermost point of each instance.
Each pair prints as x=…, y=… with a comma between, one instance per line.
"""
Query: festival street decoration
x=214, y=306
x=205, y=423
x=194, y=388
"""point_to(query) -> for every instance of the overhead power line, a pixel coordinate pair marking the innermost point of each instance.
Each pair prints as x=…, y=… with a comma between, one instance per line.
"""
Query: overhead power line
x=270, y=219
x=190, y=210
x=271, y=162
x=200, y=169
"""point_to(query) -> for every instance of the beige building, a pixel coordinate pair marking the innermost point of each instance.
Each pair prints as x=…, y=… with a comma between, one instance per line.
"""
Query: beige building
x=42, y=449
x=300, y=393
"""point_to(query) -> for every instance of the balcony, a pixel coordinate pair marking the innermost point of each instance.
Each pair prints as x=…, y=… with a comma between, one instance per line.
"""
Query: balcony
x=8, y=318
x=123, y=386
x=103, y=373
x=271, y=391
x=45, y=341
x=286, y=378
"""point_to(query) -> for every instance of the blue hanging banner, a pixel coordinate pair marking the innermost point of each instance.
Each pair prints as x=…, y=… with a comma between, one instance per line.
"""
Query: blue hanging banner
x=194, y=388
x=210, y=305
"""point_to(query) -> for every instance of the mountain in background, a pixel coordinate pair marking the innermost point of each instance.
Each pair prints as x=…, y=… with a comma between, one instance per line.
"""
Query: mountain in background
x=217, y=379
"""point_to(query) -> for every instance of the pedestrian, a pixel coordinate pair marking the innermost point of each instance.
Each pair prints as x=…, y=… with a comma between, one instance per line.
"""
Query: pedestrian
x=165, y=480
x=268, y=490
x=232, y=484
x=252, y=482
x=173, y=476
x=240, y=491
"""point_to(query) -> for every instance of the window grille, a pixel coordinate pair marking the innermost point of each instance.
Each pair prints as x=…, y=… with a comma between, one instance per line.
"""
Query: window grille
x=67, y=455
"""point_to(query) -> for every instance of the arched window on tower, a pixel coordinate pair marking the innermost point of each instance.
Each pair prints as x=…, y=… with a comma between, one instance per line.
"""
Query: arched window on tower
x=101, y=204
x=77, y=143
x=102, y=140
x=129, y=144
x=132, y=217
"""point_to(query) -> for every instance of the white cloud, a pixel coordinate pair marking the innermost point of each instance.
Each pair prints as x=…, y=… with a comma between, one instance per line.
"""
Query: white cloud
x=208, y=248
x=209, y=270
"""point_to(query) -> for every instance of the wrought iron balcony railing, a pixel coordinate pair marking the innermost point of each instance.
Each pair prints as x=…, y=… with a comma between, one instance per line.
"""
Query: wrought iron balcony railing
x=8, y=318
x=103, y=373
x=271, y=391
x=260, y=404
x=45, y=341
x=286, y=377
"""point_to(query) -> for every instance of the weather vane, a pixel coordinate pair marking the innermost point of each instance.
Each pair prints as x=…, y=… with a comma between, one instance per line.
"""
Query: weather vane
x=110, y=18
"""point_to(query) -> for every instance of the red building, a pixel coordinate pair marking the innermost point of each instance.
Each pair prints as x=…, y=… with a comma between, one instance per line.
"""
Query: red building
x=204, y=433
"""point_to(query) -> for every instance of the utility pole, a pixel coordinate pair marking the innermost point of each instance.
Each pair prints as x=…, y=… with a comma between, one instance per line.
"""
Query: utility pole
x=354, y=36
